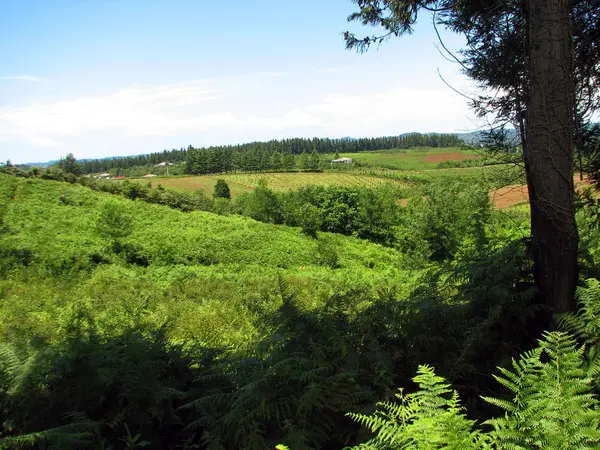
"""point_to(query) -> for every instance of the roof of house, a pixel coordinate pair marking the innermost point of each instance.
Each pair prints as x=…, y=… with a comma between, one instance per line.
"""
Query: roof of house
x=342, y=160
x=149, y=175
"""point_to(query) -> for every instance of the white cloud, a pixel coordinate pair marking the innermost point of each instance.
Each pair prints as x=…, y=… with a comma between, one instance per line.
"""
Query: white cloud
x=227, y=110
x=31, y=78
x=392, y=111
x=134, y=111
x=43, y=142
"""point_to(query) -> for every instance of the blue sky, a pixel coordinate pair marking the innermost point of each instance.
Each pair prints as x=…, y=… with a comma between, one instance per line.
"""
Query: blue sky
x=118, y=77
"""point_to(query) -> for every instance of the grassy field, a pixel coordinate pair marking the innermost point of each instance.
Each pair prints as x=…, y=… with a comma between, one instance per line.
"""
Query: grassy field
x=246, y=182
x=412, y=159
x=386, y=166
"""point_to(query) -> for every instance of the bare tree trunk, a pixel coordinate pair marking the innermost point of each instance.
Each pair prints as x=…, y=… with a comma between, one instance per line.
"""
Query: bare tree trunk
x=549, y=155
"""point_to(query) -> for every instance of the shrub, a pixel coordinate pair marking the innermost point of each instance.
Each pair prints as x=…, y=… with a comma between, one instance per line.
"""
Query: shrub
x=221, y=189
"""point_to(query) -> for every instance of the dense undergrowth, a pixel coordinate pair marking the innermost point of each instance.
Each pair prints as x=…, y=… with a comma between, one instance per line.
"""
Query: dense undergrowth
x=127, y=323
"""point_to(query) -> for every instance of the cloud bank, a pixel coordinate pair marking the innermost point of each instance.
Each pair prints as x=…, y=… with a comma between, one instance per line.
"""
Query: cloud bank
x=258, y=106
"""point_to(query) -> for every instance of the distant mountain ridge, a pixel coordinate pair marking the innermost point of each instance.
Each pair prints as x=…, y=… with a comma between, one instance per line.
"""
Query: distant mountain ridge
x=475, y=137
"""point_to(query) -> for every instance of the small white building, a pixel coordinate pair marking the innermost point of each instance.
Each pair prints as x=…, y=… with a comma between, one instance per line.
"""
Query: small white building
x=103, y=176
x=342, y=161
x=149, y=175
x=162, y=164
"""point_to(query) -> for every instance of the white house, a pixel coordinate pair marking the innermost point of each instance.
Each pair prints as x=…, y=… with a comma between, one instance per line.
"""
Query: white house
x=342, y=161
x=163, y=164
x=103, y=175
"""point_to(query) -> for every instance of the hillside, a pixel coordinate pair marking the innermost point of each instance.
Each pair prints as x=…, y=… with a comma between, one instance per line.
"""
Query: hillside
x=174, y=266
x=221, y=331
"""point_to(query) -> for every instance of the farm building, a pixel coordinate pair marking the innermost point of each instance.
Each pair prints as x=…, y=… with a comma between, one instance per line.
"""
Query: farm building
x=103, y=175
x=342, y=161
x=163, y=164
x=149, y=175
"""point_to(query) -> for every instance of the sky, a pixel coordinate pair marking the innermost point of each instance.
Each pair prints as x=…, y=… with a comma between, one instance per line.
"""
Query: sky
x=101, y=78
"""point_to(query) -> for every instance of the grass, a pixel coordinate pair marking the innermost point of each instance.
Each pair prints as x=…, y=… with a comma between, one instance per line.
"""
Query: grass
x=246, y=182
x=205, y=183
x=412, y=159
x=383, y=167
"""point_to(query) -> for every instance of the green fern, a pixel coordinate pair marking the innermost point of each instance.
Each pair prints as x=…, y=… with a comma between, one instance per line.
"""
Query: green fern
x=77, y=435
x=552, y=406
x=430, y=418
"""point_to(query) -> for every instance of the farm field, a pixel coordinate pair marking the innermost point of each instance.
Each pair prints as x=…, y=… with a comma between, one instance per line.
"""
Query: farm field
x=387, y=166
x=412, y=159
x=246, y=182
x=513, y=195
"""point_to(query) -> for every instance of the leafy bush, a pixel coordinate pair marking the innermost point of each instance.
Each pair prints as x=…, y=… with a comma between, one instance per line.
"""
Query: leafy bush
x=221, y=190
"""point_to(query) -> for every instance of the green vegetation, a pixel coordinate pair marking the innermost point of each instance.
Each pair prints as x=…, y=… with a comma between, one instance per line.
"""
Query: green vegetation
x=246, y=182
x=401, y=169
x=412, y=159
x=134, y=316
x=221, y=190
x=260, y=156
x=553, y=407
x=142, y=319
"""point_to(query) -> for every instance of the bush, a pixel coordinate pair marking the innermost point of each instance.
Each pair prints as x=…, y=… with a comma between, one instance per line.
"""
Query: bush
x=327, y=254
x=310, y=219
x=221, y=190
x=114, y=223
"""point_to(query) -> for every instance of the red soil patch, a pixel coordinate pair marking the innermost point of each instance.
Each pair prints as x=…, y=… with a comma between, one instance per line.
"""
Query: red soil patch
x=511, y=195
x=448, y=157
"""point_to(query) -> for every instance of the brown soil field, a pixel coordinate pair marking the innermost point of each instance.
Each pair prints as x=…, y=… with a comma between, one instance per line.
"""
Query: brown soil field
x=512, y=195
x=448, y=157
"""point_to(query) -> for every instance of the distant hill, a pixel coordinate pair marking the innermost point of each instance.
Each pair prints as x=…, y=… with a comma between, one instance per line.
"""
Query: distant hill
x=40, y=164
x=475, y=137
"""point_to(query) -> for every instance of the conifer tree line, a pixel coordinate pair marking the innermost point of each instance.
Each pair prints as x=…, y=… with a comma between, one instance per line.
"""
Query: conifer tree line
x=271, y=155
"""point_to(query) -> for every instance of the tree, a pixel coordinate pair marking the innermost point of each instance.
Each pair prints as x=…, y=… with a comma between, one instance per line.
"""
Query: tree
x=315, y=161
x=310, y=219
x=509, y=52
x=549, y=155
x=276, y=161
x=69, y=164
x=305, y=161
x=289, y=162
x=221, y=189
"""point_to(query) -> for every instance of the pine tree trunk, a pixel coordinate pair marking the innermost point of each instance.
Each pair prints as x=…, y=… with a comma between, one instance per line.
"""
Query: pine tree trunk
x=549, y=155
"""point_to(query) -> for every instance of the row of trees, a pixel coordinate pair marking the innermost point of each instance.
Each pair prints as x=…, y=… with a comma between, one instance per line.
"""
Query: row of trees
x=219, y=160
x=294, y=146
